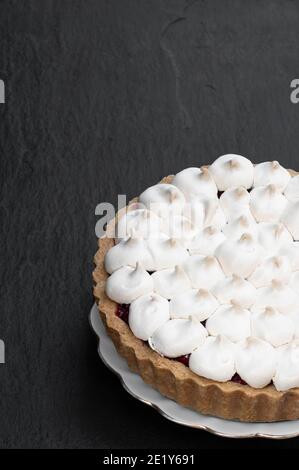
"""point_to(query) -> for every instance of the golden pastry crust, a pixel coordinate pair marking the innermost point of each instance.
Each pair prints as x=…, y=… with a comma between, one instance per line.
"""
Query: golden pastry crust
x=227, y=400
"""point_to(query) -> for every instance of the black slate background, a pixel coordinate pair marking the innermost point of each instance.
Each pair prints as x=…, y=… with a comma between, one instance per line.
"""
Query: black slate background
x=104, y=98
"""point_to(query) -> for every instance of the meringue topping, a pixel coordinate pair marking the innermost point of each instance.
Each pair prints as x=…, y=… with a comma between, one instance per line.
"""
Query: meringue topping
x=194, y=181
x=127, y=253
x=203, y=271
x=238, y=226
x=166, y=252
x=170, y=282
x=232, y=321
x=206, y=241
x=290, y=218
x=291, y=192
x=271, y=173
x=232, y=170
x=272, y=326
x=214, y=359
x=236, y=289
x=272, y=237
x=274, y=267
x=255, y=362
x=198, y=303
x=267, y=203
x=235, y=201
x=215, y=259
x=178, y=337
x=146, y=314
x=162, y=199
x=239, y=257
x=127, y=284
x=287, y=370
x=277, y=295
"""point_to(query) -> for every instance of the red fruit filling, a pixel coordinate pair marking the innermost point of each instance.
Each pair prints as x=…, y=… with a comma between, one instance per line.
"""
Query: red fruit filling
x=237, y=379
x=123, y=312
x=183, y=359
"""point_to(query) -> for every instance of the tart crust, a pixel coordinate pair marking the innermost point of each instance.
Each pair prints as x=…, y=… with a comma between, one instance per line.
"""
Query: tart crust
x=227, y=400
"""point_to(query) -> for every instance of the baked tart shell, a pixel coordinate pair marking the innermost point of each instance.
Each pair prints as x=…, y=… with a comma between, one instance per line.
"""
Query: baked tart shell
x=228, y=400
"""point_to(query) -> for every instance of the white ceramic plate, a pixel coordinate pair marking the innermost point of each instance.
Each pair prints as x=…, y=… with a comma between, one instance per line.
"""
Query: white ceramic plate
x=172, y=410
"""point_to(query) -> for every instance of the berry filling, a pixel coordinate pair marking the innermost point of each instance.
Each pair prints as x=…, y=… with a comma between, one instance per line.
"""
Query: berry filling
x=122, y=312
x=237, y=380
x=183, y=359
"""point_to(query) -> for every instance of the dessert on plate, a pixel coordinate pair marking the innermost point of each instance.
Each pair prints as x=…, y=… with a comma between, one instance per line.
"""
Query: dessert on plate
x=197, y=282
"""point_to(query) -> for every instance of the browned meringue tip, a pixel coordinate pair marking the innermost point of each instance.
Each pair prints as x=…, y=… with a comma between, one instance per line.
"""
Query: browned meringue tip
x=209, y=260
x=271, y=188
x=234, y=303
x=246, y=237
x=210, y=230
x=202, y=293
x=172, y=242
x=204, y=173
x=243, y=220
x=275, y=164
x=178, y=270
x=236, y=278
x=250, y=341
x=233, y=164
x=240, y=191
x=269, y=310
x=276, y=284
x=278, y=261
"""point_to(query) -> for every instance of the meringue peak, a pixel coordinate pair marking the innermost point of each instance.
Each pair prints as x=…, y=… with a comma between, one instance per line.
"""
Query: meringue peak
x=278, y=261
x=236, y=305
x=275, y=165
x=236, y=279
x=233, y=164
x=204, y=173
x=209, y=260
x=277, y=285
x=270, y=310
x=271, y=189
x=210, y=230
x=246, y=238
x=243, y=220
x=240, y=192
x=203, y=293
x=178, y=271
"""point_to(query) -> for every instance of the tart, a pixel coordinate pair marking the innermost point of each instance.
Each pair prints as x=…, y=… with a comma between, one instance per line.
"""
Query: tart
x=197, y=283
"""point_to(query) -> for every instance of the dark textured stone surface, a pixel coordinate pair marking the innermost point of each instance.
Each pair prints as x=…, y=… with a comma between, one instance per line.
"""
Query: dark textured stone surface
x=106, y=97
